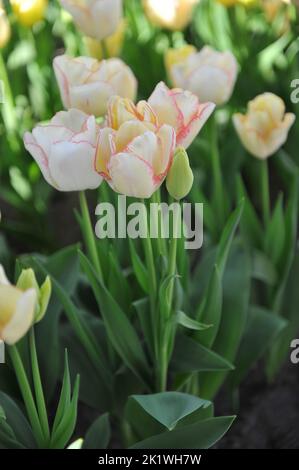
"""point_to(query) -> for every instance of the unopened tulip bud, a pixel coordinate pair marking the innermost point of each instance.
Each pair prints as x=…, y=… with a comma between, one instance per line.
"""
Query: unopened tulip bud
x=27, y=280
x=180, y=177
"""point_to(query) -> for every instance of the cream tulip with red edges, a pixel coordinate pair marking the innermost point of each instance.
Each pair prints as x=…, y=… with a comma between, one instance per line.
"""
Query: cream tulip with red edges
x=135, y=152
x=87, y=84
x=180, y=109
x=97, y=19
x=209, y=74
x=17, y=309
x=65, y=149
x=265, y=126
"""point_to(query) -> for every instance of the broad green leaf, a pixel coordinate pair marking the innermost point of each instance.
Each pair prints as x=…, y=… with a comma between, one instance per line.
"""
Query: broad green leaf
x=139, y=268
x=210, y=310
x=191, y=356
x=168, y=408
x=250, y=225
x=99, y=434
x=236, y=289
x=227, y=238
x=263, y=268
x=121, y=333
x=201, y=435
x=17, y=422
x=262, y=329
x=275, y=233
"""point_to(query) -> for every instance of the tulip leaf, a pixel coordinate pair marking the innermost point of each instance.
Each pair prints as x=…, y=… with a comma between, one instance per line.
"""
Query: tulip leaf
x=236, y=291
x=139, y=268
x=168, y=408
x=261, y=330
x=250, y=225
x=189, y=323
x=201, y=435
x=275, y=233
x=22, y=434
x=191, y=356
x=99, y=434
x=227, y=238
x=121, y=333
x=210, y=310
x=263, y=269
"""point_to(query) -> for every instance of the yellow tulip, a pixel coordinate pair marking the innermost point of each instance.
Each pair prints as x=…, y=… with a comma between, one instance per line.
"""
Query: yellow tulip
x=170, y=14
x=114, y=43
x=29, y=12
x=265, y=126
x=5, y=31
x=17, y=309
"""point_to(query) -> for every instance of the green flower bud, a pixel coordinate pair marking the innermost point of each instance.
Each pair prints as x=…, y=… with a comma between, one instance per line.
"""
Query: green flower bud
x=27, y=280
x=180, y=177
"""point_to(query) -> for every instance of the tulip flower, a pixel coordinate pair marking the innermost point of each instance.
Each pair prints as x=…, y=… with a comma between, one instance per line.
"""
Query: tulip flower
x=5, y=32
x=87, y=84
x=65, y=150
x=96, y=18
x=26, y=281
x=265, y=126
x=29, y=12
x=181, y=110
x=113, y=43
x=209, y=74
x=170, y=14
x=180, y=177
x=134, y=154
x=17, y=308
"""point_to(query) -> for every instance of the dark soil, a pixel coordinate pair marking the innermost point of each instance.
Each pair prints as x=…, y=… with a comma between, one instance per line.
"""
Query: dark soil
x=269, y=413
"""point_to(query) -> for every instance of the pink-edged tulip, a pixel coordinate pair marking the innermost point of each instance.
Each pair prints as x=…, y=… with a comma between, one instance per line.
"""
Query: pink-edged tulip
x=65, y=149
x=87, y=84
x=182, y=110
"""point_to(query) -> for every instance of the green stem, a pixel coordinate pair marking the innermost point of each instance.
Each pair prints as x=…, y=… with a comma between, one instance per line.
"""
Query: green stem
x=8, y=105
x=89, y=236
x=218, y=195
x=150, y=263
x=27, y=395
x=265, y=192
x=105, y=49
x=167, y=330
x=39, y=393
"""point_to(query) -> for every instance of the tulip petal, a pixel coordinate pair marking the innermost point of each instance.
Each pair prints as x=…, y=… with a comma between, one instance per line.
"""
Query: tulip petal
x=22, y=318
x=132, y=176
x=72, y=165
x=3, y=279
x=39, y=156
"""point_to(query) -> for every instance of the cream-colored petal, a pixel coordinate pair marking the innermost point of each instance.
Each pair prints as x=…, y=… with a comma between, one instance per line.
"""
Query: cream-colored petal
x=22, y=319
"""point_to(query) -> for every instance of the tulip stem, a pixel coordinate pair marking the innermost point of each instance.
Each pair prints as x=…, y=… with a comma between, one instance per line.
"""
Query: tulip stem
x=218, y=195
x=167, y=330
x=8, y=109
x=27, y=395
x=104, y=49
x=265, y=192
x=89, y=236
x=39, y=393
x=150, y=263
